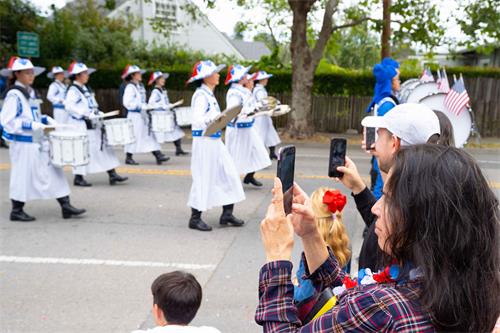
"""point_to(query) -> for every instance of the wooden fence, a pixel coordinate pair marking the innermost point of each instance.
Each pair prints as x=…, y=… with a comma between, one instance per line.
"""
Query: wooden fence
x=337, y=114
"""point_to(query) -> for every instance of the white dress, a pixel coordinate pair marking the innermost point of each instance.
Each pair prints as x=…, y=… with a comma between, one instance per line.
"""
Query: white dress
x=56, y=95
x=32, y=176
x=215, y=179
x=264, y=124
x=78, y=105
x=242, y=140
x=159, y=98
x=134, y=100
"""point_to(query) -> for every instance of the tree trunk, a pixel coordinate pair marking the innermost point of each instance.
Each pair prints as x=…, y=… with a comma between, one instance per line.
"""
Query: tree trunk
x=386, y=30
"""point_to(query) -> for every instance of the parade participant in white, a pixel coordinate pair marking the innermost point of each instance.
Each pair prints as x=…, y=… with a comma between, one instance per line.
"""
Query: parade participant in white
x=215, y=178
x=56, y=94
x=243, y=141
x=82, y=107
x=159, y=100
x=134, y=100
x=32, y=176
x=264, y=125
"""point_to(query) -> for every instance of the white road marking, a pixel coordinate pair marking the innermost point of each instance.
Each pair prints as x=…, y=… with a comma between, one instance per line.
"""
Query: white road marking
x=102, y=262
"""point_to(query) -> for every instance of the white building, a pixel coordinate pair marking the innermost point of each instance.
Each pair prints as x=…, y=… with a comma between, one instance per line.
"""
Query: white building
x=196, y=34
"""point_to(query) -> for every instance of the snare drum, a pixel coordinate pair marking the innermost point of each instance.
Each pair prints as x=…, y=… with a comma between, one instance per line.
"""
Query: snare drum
x=119, y=131
x=462, y=124
x=162, y=121
x=183, y=116
x=68, y=148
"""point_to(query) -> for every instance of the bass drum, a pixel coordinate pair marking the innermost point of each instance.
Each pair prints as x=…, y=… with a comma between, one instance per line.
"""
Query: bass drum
x=406, y=88
x=421, y=90
x=462, y=124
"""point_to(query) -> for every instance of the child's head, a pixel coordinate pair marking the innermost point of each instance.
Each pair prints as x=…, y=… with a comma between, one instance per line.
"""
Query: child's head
x=176, y=298
x=330, y=222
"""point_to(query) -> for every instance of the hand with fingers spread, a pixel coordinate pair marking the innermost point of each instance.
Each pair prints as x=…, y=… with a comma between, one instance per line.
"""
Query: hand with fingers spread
x=351, y=179
x=276, y=230
x=302, y=217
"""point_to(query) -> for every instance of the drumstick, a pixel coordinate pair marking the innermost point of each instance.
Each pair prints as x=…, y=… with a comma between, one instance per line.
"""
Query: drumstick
x=179, y=102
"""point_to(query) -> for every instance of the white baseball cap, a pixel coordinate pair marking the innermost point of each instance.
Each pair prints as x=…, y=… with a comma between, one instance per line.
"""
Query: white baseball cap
x=412, y=123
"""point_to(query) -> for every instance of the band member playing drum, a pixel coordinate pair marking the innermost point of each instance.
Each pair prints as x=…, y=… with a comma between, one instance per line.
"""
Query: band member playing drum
x=159, y=100
x=264, y=124
x=56, y=94
x=84, y=116
x=134, y=100
x=242, y=139
x=215, y=178
x=32, y=176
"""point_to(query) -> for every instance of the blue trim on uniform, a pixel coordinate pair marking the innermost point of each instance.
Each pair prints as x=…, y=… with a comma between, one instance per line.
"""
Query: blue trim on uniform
x=58, y=106
x=134, y=110
x=26, y=125
x=19, y=107
x=76, y=118
x=17, y=137
x=200, y=133
x=242, y=125
x=45, y=120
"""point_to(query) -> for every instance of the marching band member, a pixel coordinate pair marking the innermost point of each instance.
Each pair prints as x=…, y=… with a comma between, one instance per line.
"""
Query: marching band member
x=243, y=141
x=82, y=107
x=264, y=124
x=56, y=94
x=32, y=176
x=134, y=100
x=159, y=100
x=215, y=179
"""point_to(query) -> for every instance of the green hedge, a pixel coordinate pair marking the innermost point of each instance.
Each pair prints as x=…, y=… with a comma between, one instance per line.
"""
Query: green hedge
x=343, y=82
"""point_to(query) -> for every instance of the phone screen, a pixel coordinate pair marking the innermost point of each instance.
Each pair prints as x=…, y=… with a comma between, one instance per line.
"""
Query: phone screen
x=337, y=156
x=370, y=136
x=286, y=171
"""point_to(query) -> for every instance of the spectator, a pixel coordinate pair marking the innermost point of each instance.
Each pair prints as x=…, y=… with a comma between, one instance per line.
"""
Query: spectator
x=327, y=205
x=445, y=243
x=406, y=124
x=176, y=299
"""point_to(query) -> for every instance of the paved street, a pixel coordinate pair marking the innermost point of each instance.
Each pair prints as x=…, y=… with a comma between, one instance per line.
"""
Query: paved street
x=93, y=274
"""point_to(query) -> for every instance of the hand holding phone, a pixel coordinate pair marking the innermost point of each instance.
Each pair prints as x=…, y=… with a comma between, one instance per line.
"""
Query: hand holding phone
x=338, y=149
x=286, y=170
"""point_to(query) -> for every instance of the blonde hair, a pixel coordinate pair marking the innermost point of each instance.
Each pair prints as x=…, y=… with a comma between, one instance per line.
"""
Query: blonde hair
x=332, y=229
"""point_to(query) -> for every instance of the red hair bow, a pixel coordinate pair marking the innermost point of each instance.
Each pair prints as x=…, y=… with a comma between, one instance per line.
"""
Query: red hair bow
x=335, y=200
x=349, y=283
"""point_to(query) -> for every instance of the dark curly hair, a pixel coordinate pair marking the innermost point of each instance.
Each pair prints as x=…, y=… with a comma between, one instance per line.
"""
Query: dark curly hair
x=445, y=220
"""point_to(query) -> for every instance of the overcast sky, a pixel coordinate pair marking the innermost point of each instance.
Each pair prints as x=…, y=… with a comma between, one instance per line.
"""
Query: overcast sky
x=226, y=14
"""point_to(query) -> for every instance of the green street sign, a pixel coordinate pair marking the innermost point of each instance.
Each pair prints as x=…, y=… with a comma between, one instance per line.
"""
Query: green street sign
x=28, y=44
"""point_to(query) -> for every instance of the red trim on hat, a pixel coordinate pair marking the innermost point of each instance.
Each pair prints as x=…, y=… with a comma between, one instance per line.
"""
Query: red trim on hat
x=11, y=61
x=254, y=76
x=124, y=73
x=71, y=66
x=195, y=72
x=229, y=76
x=151, y=78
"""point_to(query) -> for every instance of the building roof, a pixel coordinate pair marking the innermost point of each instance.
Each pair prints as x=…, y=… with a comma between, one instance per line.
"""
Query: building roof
x=251, y=50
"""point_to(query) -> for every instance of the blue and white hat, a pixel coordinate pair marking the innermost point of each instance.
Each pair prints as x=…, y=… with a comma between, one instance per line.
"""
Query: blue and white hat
x=131, y=69
x=236, y=72
x=56, y=70
x=262, y=75
x=156, y=75
x=79, y=67
x=203, y=69
x=20, y=64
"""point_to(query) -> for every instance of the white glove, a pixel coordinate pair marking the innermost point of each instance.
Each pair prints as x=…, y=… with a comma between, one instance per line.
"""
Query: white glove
x=37, y=126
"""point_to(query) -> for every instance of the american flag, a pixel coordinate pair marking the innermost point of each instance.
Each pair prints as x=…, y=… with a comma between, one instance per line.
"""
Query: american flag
x=457, y=97
x=426, y=76
x=443, y=84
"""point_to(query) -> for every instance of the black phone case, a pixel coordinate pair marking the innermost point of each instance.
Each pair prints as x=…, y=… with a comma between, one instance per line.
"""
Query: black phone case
x=370, y=137
x=287, y=197
x=332, y=161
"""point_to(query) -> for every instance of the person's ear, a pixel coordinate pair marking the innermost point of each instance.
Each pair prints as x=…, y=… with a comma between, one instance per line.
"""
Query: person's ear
x=396, y=143
x=158, y=316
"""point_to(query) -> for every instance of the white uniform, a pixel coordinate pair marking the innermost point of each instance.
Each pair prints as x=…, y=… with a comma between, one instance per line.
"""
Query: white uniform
x=242, y=140
x=159, y=98
x=102, y=156
x=32, y=176
x=56, y=95
x=264, y=124
x=134, y=100
x=215, y=179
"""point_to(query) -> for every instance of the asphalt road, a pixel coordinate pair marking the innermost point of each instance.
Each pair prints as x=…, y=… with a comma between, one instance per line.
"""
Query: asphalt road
x=93, y=274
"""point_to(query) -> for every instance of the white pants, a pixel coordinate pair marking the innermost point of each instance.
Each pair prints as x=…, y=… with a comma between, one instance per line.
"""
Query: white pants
x=144, y=141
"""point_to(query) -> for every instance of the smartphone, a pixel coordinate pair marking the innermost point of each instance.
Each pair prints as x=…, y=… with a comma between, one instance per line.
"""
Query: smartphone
x=286, y=171
x=370, y=137
x=337, y=156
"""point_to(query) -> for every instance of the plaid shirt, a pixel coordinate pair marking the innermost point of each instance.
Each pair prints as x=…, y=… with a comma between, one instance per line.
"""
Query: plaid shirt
x=367, y=308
